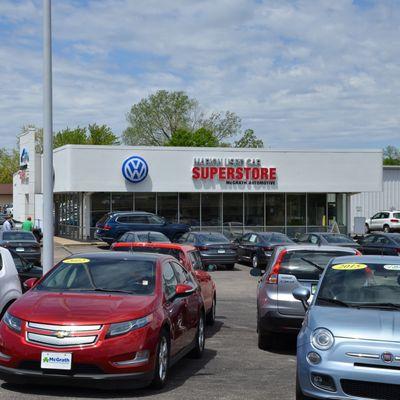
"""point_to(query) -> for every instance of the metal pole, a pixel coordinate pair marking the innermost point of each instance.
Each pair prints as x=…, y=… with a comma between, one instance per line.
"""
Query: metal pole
x=48, y=224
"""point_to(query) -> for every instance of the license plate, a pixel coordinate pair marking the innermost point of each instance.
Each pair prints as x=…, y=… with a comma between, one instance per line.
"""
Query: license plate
x=313, y=288
x=19, y=249
x=221, y=251
x=56, y=361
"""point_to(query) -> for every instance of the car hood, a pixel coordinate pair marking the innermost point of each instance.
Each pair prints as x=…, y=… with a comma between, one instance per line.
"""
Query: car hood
x=367, y=324
x=81, y=308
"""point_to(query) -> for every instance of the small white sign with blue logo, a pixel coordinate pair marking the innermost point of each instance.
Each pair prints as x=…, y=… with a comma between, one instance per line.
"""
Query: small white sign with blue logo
x=56, y=360
x=135, y=169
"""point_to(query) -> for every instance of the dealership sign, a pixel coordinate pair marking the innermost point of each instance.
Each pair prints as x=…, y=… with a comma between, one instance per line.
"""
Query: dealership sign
x=135, y=169
x=233, y=170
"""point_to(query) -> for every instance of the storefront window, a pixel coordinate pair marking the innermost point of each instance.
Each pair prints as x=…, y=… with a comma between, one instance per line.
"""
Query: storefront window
x=296, y=209
x=211, y=208
x=275, y=209
x=254, y=209
x=121, y=201
x=100, y=206
x=316, y=210
x=233, y=215
x=145, y=202
x=337, y=208
x=167, y=206
x=68, y=215
x=189, y=208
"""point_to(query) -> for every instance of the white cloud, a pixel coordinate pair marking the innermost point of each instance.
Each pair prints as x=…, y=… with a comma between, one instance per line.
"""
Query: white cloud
x=304, y=73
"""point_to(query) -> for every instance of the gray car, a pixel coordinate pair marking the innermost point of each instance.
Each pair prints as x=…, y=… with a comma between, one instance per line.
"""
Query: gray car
x=290, y=267
x=327, y=239
x=349, y=344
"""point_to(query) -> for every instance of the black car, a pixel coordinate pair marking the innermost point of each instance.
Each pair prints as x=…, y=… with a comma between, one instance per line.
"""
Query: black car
x=387, y=244
x=327, y=239
x=23, y=243
x=113, y=225
x=256, y=247
x=214, y=247
x=26, y=269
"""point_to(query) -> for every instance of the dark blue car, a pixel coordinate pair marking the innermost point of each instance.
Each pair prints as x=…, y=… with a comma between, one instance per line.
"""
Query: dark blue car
x=113, y=225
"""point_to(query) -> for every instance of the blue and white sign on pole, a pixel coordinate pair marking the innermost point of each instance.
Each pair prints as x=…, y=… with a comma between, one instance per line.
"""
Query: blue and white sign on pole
x=135, y=169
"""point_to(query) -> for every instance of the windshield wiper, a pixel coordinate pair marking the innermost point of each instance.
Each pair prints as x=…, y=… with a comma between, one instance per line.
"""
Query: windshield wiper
x=312, y=263
x=379, y=305
x=333, y=301
x=97, y=289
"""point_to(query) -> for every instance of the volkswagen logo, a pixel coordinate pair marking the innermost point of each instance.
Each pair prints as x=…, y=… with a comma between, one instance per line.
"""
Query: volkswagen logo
x=62, y=334
x=135, y=169
x=387, y=357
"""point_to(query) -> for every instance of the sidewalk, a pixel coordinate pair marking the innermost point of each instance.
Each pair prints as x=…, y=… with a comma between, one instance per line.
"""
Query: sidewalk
x=59, y=241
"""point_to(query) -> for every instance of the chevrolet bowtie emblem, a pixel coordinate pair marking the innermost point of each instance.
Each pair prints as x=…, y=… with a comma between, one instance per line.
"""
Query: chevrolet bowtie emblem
x=62, y=334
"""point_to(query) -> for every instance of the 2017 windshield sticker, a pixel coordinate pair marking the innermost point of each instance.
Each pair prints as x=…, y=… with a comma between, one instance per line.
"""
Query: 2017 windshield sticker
x=392, y=267
x=76, y=261
x=349, y=267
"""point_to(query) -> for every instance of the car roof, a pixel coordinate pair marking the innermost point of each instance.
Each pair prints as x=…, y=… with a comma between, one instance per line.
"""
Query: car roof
x=396, y=234
x=206, y=233
x=173, y=246
x=369, y=259
x=326, y=233
x=117, y=255
x=146, y=232
x=130, y=213
x=317, y=248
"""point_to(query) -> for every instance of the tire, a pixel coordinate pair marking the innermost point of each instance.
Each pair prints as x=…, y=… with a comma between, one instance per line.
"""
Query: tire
x=367, y=230
x=267, y=340
x=198, y=350
x=255, y=263
x=386, y=228
x=299, y=393
x=230, y=267
x=210, y=319
x=162, y=362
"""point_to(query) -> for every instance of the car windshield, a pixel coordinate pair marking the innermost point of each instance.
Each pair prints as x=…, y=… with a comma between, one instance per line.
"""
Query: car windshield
x=307, y=264
x=14, y=235
x=361, y=284
x=213, y=238
x=152, y=237
x=336, y=238
x=102, y=274
x=178, y=254
x=279, y=238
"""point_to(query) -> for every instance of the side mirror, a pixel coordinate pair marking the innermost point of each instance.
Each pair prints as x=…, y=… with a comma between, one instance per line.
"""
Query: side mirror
x=256, y=272
x=302, y=294
x=30, y=283
x=182, y=290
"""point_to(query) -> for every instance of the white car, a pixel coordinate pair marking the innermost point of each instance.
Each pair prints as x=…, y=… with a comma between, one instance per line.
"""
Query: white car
x=386, y=221
x=10, y=284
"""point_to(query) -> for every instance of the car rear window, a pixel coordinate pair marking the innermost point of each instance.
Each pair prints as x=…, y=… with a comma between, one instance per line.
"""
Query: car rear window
x=178, y=254
x=213, y=238
x=103, y=219
x=280, y=238
x=337, y=239
x=396, y=215
x=396, y=238
x=299, y=262
x=10, y=235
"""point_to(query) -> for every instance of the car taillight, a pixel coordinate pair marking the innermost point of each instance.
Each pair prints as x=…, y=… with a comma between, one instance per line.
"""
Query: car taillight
x=201, y=248
x=398, y=252
x=106, y=227
x=267, y=248
x=274, y=274
x=358, y=253
x=394, y=220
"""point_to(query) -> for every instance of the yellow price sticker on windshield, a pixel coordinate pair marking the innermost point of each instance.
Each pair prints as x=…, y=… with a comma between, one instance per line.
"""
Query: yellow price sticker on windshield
x=76, y=261
x=349, y=267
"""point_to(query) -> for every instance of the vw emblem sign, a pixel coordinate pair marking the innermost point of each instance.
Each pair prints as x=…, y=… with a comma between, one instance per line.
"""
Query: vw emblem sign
x=135, y=169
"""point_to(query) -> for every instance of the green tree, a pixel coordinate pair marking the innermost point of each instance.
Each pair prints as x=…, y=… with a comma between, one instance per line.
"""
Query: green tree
x=70, y=136
x=155, y=119
x=101, y=135
x=249, y=139
x=9, y=164
x=199, y=138
x=391, y=155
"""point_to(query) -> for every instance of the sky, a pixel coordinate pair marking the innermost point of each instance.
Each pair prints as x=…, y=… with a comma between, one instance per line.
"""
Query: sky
x=303, y=74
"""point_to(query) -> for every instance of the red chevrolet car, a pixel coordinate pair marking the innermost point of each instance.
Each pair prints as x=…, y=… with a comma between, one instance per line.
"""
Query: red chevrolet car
x=101, y=318
x=190, y=258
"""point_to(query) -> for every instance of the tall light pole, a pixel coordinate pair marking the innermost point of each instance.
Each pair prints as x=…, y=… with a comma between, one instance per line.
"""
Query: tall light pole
x=48, y=223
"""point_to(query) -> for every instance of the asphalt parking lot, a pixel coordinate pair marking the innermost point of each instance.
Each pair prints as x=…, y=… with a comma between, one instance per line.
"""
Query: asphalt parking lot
x=232, y=367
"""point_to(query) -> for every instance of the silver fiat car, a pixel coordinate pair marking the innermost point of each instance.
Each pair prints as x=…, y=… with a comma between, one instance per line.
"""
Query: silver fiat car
x=349, y=344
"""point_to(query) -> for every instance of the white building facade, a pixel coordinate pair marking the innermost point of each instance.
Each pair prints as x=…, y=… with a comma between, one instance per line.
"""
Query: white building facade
x=208, y=188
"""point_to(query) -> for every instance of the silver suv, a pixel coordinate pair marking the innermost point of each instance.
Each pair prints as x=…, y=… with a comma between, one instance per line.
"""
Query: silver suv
x=290, y=267
x=386, y=221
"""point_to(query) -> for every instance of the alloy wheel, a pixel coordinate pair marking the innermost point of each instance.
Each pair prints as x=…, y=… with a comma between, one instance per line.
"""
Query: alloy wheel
x=201, y=337
x=163, y=358
x=255, y=261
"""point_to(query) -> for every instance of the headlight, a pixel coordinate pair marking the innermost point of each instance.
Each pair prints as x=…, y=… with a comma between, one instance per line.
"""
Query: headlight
x=124, y=327
x=322, y=339
x=12, y=322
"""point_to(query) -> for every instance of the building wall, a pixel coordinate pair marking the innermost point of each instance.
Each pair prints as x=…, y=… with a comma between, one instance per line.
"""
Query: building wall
x=368, y=203
x=6, y=199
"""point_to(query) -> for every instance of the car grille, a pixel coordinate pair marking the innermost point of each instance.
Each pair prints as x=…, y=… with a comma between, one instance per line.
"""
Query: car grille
x=370, y=390
x=76, y=368
x=62, y=335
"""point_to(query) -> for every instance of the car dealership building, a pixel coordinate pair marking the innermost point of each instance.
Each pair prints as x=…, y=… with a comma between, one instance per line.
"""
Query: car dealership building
x=225, y=189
